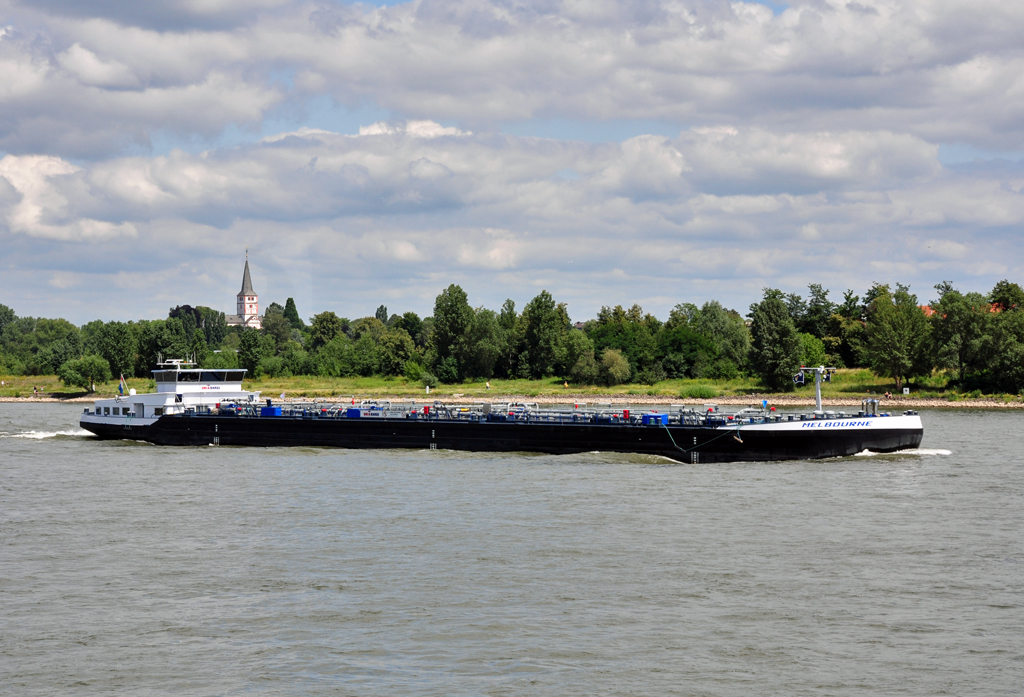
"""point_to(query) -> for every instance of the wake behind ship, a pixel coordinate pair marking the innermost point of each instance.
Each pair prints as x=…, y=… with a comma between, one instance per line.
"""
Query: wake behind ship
x=200, y=407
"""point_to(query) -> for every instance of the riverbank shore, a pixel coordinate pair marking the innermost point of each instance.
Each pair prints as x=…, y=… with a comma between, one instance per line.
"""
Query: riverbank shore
x=894, y=404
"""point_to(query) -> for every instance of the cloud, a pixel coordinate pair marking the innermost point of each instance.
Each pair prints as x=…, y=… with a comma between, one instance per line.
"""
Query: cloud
x=162, y=138
x=106, y=75
x=724, y=210
x=42, y=207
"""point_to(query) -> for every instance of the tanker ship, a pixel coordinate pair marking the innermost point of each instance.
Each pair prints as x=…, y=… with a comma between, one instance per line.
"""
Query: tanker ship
x=201, y=407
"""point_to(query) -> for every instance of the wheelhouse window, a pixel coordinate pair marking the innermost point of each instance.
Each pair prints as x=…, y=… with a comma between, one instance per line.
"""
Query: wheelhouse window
x=106, y=411
x=188, y=376
x=158, y=411
x=165, y=375
x=234, y=375
x=212, y=376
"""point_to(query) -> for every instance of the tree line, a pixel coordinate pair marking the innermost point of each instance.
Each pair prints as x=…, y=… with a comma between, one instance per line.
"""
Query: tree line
x=977, y=339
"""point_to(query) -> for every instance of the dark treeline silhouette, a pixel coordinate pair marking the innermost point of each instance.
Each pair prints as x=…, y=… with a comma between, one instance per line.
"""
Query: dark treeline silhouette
x=978, y=340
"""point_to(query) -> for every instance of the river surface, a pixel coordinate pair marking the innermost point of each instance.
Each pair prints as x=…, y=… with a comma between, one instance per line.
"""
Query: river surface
x=145, y=570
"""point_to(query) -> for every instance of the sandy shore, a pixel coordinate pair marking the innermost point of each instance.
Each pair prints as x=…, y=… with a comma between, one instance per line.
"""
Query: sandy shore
x=894, y=404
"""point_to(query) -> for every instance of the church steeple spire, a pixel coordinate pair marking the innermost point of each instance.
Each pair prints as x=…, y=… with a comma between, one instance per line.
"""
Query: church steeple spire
x=248, y=302
x=246, y=281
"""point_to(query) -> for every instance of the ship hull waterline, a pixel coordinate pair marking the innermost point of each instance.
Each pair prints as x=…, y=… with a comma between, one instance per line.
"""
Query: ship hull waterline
x=690, y=444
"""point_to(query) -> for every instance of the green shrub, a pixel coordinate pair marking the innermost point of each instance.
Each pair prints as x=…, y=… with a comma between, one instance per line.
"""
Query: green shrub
x=651, y=376
x=412, y=370
x=614, y=367
x=429, y=379
x=698, y=392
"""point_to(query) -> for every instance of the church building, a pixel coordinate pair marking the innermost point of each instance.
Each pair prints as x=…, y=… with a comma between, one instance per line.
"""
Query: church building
x=248, y=303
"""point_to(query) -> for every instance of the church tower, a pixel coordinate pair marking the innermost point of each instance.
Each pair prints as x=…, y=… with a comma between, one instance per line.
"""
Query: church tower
x=248, y=302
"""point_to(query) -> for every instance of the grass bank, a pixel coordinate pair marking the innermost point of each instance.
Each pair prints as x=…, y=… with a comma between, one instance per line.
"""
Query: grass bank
x=846, y=385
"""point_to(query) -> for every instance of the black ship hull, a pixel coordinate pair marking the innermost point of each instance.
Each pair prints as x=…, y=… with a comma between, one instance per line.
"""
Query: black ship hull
x=692, y=444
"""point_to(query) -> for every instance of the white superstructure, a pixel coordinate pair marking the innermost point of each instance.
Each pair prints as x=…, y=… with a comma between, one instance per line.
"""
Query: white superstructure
x=178, y=388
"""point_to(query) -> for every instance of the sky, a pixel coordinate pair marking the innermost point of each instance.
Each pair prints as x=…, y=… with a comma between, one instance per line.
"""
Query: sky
x=650, y=152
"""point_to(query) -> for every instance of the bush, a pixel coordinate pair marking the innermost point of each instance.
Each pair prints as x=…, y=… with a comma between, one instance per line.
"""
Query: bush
x=448, y=370
x=651, y=376
x=614, y=367
x=698, y=392
x=412, y=370
x=722, y=369
x=273, y=367
x=429, y=379
x=586, y=371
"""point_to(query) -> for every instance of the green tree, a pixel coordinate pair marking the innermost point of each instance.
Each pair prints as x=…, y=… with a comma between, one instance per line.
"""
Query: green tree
x=682, y=315
x=851, y=308
x=273, y=309
x=453, y=318
x=214, y=325
x=84, y=372
x=395, y=349
x=291, y=313
x=797, y=308
x=334, y=359
x=727, y=329
x=1006, y=357
x=1008, y=296
x=368, y=326
x=812, y=350
x=775, y=343
x=190, y=319
x=960, y=330
x=116, y=342
x=382, y=314
x=413, y=326
x=278, y=328
x=484, y=342
x=324, y=328
x=685, y=352
x=249, y=350
x=576, y=347
x=898, y=336
x=819, y=310
x=58, y=353
x=543, y=327
x=365, y=355
x=221, y=361
x=198, y=349
x=586, y=370
x=173, y=340
x=27, y=340
x=633, y=332
x=509, y=340
x=6, y=317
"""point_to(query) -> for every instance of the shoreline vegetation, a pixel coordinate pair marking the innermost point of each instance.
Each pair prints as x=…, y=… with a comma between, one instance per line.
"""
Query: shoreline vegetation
x=847, y=389
x=962, y=349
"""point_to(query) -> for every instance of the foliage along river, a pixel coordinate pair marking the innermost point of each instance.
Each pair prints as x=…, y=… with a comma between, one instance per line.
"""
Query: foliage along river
x=146, y=570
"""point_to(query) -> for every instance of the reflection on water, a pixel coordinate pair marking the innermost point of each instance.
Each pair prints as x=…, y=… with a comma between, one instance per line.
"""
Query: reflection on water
x=140, y=569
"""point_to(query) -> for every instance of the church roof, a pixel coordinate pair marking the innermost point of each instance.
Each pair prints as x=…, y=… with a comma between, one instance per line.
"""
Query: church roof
x=246, y=282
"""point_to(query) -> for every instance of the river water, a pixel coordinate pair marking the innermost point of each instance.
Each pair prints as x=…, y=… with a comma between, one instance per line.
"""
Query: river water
x=216, y=571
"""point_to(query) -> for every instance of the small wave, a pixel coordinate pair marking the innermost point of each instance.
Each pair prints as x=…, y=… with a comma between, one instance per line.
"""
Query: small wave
x=909, y=451
x=39, y=435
